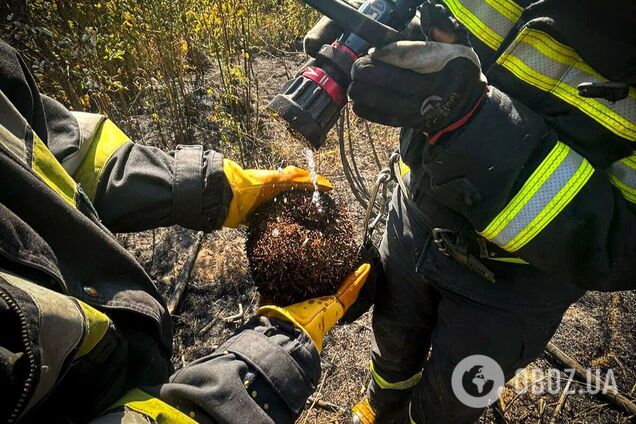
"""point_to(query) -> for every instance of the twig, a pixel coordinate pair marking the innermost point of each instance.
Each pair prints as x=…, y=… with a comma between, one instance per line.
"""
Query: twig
x=499, y=408
x=314, y=399
x=235, y=316
x=184, y=276
x=562, y=398
x=323, y=404
x=588, y=410
x=521, y=392
x=610, y=393
x=206, y=327
x=541, y=410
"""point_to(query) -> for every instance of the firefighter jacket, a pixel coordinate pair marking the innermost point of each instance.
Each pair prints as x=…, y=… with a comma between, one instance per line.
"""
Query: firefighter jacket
x=545, y=175
x=84, y=331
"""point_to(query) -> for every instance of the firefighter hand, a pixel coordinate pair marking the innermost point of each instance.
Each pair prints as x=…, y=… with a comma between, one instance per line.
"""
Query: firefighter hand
x=317, y=316
x=424, y=85
x=253, y=187
x=438, y=24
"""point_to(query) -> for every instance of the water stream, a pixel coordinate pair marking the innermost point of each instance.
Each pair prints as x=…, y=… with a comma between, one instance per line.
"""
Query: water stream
x=311, y=165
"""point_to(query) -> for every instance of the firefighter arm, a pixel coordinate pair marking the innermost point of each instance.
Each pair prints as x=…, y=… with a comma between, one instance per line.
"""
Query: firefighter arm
x=263, y=374
x=535, y=196
x=135, y=187
x=50, y=342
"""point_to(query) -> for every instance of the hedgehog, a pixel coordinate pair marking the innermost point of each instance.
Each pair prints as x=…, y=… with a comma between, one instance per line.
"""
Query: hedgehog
x=299, y=248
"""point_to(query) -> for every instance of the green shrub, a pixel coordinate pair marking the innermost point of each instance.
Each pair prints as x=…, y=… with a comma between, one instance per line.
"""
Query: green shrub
x=128, y=58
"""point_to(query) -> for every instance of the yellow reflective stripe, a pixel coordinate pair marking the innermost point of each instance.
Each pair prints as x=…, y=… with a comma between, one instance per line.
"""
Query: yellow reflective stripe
x=398, y=385
x=629, y=193
x=96, y=324
x=108, y=139
x=474, y=25
x=140, y=401
x=509, y=9
x=622, y=174
x=510, y=260
x=556, y=51
x=44, y=164
x=539, y=60
x=630, y=161
x=554, y=208
x=404, y=168
x=550, y=188
x=411, y=415
x=533, y=183
x=489, y=21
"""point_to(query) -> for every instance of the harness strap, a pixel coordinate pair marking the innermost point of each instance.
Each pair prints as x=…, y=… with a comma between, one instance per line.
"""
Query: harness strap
x=275, y=365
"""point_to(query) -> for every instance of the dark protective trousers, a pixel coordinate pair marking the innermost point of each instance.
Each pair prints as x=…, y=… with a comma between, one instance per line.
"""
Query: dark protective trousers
x=432, y=313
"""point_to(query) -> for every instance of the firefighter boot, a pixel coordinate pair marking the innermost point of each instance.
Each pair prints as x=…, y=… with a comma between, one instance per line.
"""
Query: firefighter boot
x=363, y=412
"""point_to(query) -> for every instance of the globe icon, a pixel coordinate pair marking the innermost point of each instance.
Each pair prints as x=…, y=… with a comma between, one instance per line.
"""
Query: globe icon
x=476, y=382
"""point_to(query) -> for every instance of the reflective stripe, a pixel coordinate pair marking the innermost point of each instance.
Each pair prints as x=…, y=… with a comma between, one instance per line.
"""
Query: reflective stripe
x=539, y=60
x=410, y=415
x=404, y=168
x=18, y=137
x=364, y=412
x=108, y=139
x=489, y=21
x=158, y=410
x=57, y=321
x=550, y=188
x=51, y=172
x=623, y=175
x=96, y=325
x=398, y=385
x=510, y=260
x=89, y=124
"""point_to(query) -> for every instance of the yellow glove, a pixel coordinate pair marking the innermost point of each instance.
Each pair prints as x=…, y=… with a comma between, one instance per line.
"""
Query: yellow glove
x=253, y=187
x=316, y=316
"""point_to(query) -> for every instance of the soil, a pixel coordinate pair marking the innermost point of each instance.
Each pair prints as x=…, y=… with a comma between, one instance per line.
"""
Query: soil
x=598, y=330
x=299, y=249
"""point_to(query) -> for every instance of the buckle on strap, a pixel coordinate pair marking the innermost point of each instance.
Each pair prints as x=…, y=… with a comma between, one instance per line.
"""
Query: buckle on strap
x=441, y=237
x=455, y=247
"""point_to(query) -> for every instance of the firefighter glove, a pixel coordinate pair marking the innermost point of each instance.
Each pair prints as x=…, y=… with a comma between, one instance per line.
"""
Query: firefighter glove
x=253, y=187
x=438, y=24
x=425, y=85
x=317, y=316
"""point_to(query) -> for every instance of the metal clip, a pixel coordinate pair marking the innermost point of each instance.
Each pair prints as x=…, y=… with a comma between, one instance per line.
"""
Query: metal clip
x=441, y=238
x=369, y=225
x=452, y=245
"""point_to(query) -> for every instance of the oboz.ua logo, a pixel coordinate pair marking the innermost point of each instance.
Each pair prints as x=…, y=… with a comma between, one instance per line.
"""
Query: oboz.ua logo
x=477, y=381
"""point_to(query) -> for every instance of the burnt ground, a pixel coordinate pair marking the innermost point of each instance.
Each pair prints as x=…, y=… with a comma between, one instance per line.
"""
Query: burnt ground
x=598, y=331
